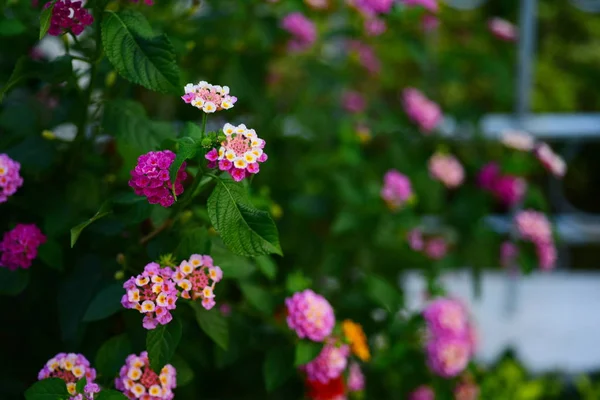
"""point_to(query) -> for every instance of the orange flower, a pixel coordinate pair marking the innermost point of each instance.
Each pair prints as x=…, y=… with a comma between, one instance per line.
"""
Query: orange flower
x=358, y=341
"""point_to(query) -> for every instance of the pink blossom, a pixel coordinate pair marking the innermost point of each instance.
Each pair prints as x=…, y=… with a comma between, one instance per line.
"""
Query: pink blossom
x=317, y=4
x=503, y=29
x=446, y=169
x=518, y=140
x=448, y=356
x=329, y=364
x=366, y=56
x=374, y=26
x=429, y=22
x=353, y=102
x=208, y=98
x=550, y=160
x=436, y=248
x=396, y=189
x=546, y=252
x=466, y=390
x=415, y=239
x=71, y=368
x=533, y=226
x=509, y=189
x=68, y=15
x=19, y=247
x=310, y=315
x=10, y=179
x=303, y=30
x=194, y=278
x=422, y=393
x=508, y=253
x=429, y=5
x=356, y=379
x=137, y=380
x=422, y=111
x=446, y=317
x=371, y=7
x=488, y=175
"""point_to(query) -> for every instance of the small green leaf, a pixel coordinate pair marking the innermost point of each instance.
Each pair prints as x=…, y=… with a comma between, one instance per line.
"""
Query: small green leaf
x=13, y=282
x=109, y=394
x=185, y=374
x=383, y=293
x=76, y=231
x=278, y=367
x=161, y=343
x=81, y=385
x=245, y=230
x=258, y=297
x=51, y=254
x=106, y=303
x=111, y=355
x=45, y=18
x=213, y=324
x=48, y=389
x=306, y=351
x=267, y=266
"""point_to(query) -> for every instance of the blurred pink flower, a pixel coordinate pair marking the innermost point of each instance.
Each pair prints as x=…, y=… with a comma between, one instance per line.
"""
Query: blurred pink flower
x=329, y=364
x=415, y=239
x=366, y=56
x=436, y=248
x=533, y=226
x=422, y=393
x=503, y=29
x=508, y=253
x=448, y=356
x=429, y=22
x=356, y=379
x=488, y=175
x=518, y=140
x=374, y=26
x=466, y=390
x=550, y=160
x=446, y=317
x=546, y=252
x=303, y=30
x=396, y=189
x=353, y=102
x=510, y=189
x=422, y=111
x=446, y=169
x=310, y=315
x=317, y=4
x=430, y=5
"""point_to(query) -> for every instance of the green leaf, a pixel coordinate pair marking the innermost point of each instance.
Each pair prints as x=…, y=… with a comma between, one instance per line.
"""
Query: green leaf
x=161, y=343
x=48, y=389
x=45, y=17
x=187, y=149
x=106, y=303
x=277, y=367
x=13, y=282
x=258, y=297
x=213, y=324
x=185, y=374
x=137, y=54
x=383, y=293
x=51, y=254
x=109, y=394
x=306, y=351
x=111, y=355
x=193, y=241
x=81, y=385
x=76, y=231
x=297, y=282
x=267, y=266
x=233, y=266
x=244, y=229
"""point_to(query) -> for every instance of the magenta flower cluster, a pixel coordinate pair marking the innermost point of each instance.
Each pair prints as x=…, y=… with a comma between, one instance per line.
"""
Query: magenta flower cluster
x=450, y=339
x=150, y=177
x=193, y=276
x=446, y=169
x=356, y=379
x=10, y=180
x=71, y=368
x=329, y=364
x=422, y=393
x=19, y=246
x=310, y=315
x=396, y=190
x=422, y=111
x=302, y=29
x=534, y=227
x=508, y=189
x=68, y=15
x=153, y=294
x=435, y=247
x=137, y=380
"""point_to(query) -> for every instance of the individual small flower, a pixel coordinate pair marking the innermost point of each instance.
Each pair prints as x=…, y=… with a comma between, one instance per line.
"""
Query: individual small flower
x=448, y=356
x=518, y=140
x=194, y=278
x=10, y=180
x=422, y=111
x=329, y=364
x=546, y=252
x=150, y=177
x=436, y=248
x=396, y=190
x=19, y=246
x=550, y=160
x=366, y=56
x=533, y=226
x=358, y=341
x=508, y=254
x=415, y=239
x=240, y=153
x=466, y=390
x=90, y=389
x=353, y=102
x=208, y=98
x=152, y=293
x=68, y=15
x=503, y=29
x=374, y=26
x=303, y=30
x=356, y=379
x=70, y=368
x=333, y=389
x=137, y=380
x=422, y=393
x=429, y=5
x=446, y=317
x=446, y=169
x=310, y=315
x=429, y=22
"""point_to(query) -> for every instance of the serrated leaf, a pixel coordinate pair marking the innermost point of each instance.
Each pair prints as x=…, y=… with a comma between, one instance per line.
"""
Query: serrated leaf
x=258, y=297
x=278, y=367
x=51, y=254
x=45, y=18
x=106, y=303
x=267, y=266
x=76, y=231
x=161, y=343
x=137, y=54
x=244, y=229
x=48, y=389
x=81, y=385
x=109, y=394
x=213, y=324
x=306, y=351
x=13, y=282
x=111, y=355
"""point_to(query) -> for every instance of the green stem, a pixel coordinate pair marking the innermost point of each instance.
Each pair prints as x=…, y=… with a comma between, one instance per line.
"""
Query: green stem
x=204, y=118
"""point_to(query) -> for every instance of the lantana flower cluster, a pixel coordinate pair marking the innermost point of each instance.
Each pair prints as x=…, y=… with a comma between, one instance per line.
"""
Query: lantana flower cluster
x=450, y=339
x=19, y=246
x=302, y=29
x=422, y=111
x=239, y=154
x=423, y=392
x=208, y=98
x=71, y=367
x=434, y=247
x=508, y=189
x=193, y=277
x=310, y=315
x=10, y=180
x=534, y=227
x=447, y=169
x=329, y=364
x=137, y=380
x=68, y=15
x=397, y=189
x=150, y=178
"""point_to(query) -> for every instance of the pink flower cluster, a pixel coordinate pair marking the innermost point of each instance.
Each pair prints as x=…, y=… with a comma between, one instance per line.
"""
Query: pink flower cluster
x=374, y=26
x=68, y=15
x=208, y=98
x=19, y=246
x=150, y=177
x=396, y=190
x=310, y=315
x=303, y=30
x=371, y=7
x=10, y=180
x=240, y=153
x=550, y=160
x=356, y=379
x=193, y=276
x=466, y=390
x=434, y=247
x=366, y=56
x=446, y=169
x=503, y=29
x=353, y=102
x=508, y=189
x=71, y=368
x=450, y=338
x=153, y=294
x=518, y=140
x=533, y=226
x=422, y=111
x=137, y=380
x=422, y=393
x=329, y=364
x=317, y=4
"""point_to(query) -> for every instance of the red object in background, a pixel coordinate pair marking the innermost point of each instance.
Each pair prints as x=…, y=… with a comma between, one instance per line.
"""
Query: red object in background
x=332, y=390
